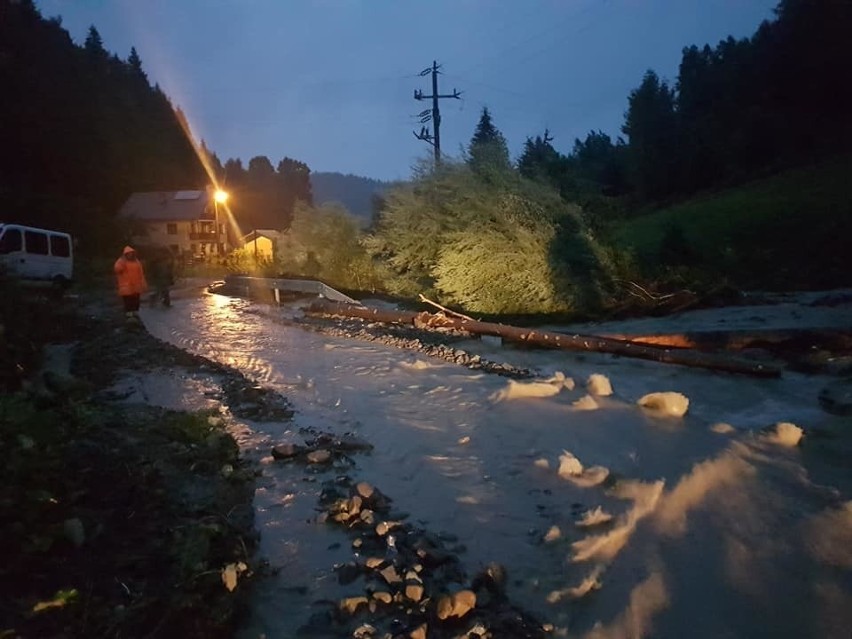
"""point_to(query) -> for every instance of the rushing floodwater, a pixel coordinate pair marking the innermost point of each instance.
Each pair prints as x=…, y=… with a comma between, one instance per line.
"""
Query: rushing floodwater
x=714, y=535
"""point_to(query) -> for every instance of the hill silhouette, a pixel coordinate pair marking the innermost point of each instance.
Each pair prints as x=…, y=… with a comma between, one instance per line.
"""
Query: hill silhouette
x=354, y=192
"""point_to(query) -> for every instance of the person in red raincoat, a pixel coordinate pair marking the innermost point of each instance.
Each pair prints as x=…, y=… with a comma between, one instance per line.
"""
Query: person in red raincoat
x=130, y=278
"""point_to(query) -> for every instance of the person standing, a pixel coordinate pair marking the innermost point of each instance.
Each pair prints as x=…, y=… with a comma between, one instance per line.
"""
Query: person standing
x=130, y=278
x=162, y=273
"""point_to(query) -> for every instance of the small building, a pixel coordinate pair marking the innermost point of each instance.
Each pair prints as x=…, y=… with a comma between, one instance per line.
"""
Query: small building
x=263, y=244
x=189, y=223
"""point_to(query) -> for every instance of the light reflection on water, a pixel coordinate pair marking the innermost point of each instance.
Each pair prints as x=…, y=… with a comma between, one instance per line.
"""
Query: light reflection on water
x=488, y=492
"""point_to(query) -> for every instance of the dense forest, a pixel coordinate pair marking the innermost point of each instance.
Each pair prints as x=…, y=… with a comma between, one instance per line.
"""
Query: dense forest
x=744, y=109
x=82, y=129
x=265, y=196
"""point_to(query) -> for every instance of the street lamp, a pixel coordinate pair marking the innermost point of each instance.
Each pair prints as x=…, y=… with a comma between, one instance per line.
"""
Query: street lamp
x=219, y=197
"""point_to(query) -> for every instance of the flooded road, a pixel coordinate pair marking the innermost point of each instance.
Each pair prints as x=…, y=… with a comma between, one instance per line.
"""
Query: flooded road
x=714, y=531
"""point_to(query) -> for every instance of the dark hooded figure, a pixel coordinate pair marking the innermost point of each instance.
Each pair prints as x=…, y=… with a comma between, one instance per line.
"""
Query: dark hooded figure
x=161, y=273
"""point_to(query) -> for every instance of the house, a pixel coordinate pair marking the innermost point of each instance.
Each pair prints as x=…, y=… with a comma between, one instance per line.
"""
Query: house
x=190, y=223
x=263, y=244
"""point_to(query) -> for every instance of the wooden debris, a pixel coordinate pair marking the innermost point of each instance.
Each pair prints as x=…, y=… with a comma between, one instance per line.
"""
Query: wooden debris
x=549, y=339
x=426, y=300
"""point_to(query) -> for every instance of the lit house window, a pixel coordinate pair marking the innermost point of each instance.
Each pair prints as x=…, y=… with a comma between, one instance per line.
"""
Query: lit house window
x=171, y=229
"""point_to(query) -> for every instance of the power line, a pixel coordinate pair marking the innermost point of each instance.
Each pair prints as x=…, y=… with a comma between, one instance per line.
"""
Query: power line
x=435, y=116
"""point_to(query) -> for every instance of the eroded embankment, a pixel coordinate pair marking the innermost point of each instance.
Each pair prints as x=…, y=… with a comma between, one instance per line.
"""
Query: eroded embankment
x=123, y=519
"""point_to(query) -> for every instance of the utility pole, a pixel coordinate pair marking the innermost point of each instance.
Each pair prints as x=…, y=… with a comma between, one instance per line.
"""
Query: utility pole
x=435, y=115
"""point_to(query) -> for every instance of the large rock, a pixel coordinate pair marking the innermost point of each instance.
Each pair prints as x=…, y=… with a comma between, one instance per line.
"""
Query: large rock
x=456, y=605
x=319, y=456
x=413, y=586
x=351, y=604
x=286, y=451
x=352, y=443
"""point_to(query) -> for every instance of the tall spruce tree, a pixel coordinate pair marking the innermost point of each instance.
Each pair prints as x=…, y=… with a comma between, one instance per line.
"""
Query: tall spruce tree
x=488, y=152
x=294, y=179
x=94, y=44
x=135, y=63
x=650, y=125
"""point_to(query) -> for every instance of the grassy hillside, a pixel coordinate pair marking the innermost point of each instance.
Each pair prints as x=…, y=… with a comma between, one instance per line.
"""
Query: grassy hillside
x=790, y=231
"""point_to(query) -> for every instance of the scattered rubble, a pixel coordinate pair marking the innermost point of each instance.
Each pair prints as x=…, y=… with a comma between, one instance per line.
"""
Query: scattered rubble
x=406, y=582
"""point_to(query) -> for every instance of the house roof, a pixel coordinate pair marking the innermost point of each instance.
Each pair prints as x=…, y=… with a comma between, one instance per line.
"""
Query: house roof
x=269, y=234
x=167, y=206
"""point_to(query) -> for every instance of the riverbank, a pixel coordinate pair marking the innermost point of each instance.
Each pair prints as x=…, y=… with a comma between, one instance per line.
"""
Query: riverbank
x=122, y=517
x=129, y=506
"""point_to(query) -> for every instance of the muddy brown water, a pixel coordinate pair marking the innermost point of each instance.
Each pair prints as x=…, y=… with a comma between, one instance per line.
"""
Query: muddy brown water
x=713, y=534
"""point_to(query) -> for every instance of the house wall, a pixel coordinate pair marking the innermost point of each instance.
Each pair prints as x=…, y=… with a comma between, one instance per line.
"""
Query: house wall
x=192, y=238
x=262, y=247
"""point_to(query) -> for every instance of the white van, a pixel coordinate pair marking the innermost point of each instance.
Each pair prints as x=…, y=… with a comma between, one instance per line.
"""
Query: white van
x=37, y=256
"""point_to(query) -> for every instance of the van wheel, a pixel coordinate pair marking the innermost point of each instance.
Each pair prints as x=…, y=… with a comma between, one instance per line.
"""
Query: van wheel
x=58, y=287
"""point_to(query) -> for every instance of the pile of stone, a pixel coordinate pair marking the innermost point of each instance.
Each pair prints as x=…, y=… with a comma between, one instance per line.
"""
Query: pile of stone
x=409, y=584
x=251, y=401
x=427, y=342
x=321, y=449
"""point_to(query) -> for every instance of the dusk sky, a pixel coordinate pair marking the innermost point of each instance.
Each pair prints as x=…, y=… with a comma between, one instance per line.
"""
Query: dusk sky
x=331, y=82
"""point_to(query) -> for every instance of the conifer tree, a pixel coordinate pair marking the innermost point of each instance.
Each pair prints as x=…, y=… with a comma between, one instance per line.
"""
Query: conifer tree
x=94, y=44
x=135, y=62
x=488, y=152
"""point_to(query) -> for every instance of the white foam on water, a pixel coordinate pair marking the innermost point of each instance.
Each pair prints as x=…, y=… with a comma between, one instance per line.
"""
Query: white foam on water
x=669, y=404
x=594, y=517
x=552, y=534
x=646, y=600
x=589, y=584
x=606, y=546
x=828, y=536
x=725, y=472
x=599, y=384
x=572, y=470
x=559, y=379
x=784, y=434
x=586, y=402
x=722, y=428
x=417, y=365
x=526, y=390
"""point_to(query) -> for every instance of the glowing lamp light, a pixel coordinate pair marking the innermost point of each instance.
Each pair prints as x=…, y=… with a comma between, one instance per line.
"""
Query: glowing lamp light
x=221, y=196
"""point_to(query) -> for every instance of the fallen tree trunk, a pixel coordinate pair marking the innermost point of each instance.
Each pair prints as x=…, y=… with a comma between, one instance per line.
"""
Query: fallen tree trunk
x=548, y=339
x=736, y=340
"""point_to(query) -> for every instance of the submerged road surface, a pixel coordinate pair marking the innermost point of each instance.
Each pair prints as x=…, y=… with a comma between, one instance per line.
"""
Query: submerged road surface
x=700, y=529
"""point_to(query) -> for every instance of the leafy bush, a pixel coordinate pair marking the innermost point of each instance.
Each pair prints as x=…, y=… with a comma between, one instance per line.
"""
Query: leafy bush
x=325, y=242
x=508, y=247
x=243, y=260
x=499, y=269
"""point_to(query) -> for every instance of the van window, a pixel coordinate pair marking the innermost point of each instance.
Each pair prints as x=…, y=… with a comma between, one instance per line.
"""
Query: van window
x=60, y=246
x=10, y=242
x=36, y=242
